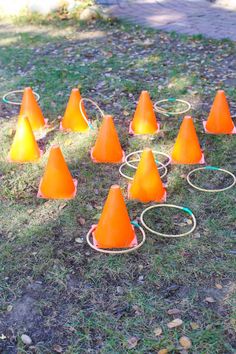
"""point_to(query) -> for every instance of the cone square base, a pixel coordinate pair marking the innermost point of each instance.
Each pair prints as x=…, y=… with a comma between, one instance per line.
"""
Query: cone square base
x=95, y=161
x=41, y=132
x=206, y=131
x=163, y=199
x=133, y=244
x=23, y=162
x=131, y=132
x=40, y=194
x=201, y=162
x=72, y=131
x=46, y=125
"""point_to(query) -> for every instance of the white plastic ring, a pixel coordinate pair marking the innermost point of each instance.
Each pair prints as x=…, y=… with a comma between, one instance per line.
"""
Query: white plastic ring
x=168, y=206
x=102, y=250
x=131, y=178
x=211, y=168
x=138, y=152
x=95, y=104
x=166, y=113
x=17, y=91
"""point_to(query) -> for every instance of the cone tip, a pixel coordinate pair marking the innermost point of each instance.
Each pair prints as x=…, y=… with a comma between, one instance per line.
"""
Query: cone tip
x=188, y=117
x=23, y=117
x=145, y=92
x=28, y=88
x=221, y=92
x=115, y=187
x=55, y=147
x=75, y=89
x=147, y=150
x=108, y=117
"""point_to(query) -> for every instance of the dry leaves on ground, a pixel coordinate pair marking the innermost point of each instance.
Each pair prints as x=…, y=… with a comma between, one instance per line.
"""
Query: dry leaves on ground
x=132, y=342
x=158, y=331
x=175, y=323
x=185, y=342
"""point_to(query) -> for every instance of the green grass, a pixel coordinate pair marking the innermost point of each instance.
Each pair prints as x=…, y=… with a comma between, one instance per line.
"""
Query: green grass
x=85, y=301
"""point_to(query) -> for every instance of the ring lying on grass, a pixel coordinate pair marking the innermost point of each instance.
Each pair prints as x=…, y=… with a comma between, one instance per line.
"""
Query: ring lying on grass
x=121, y=251
x=14, y=92
x=167, y=113
x=138, y=152
x=95, y=104
x=212, y=168
x=131, y=178
x=188, y=211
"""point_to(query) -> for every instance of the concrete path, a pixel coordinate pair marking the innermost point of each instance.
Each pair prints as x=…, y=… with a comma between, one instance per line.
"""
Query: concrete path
x=215, y=19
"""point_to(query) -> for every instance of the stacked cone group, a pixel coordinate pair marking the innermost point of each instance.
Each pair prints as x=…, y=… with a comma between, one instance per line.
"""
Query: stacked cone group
x=114, y=229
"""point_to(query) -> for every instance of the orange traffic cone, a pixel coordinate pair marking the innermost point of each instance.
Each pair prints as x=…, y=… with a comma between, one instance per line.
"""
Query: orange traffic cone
x=219, y=120
x=114, y=229
x=73, y=119
x=24, y=147
x=31, y=109
x=144, y=121
x=147, y=185
x=187, y=148
x=57, y=182
x=107, y=147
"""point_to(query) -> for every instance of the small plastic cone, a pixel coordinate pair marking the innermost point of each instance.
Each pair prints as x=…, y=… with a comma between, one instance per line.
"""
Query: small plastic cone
x=187, y=149
x=57, y=182
x=219, y=120
x=144, y=120
x=107, y=148
x=73, y=119
x=31, y=109
x=114, y=229
x=147, y=185
x=24, y=147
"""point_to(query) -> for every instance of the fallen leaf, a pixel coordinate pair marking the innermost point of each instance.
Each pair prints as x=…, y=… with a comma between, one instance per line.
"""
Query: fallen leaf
x=175, y=323
x=9, y=308
x=26, y=339
x=68, y=142
x=163, y=351
x=185, y=342
x=197, y=235
x=119, y=290
x=194, y=325
x=132, y=342
x=209, y=299
x=62, y=206
x=11, y=132
x=158, y=331
x=57, y=348
x=79, y=240
x=81, y=221
x=173, y=312
x=219, y=286
x=30, y=211
x=137, y=310
x=2, y=337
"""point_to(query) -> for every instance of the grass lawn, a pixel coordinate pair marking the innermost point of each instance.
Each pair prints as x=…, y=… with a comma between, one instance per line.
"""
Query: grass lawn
x=65, y=296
